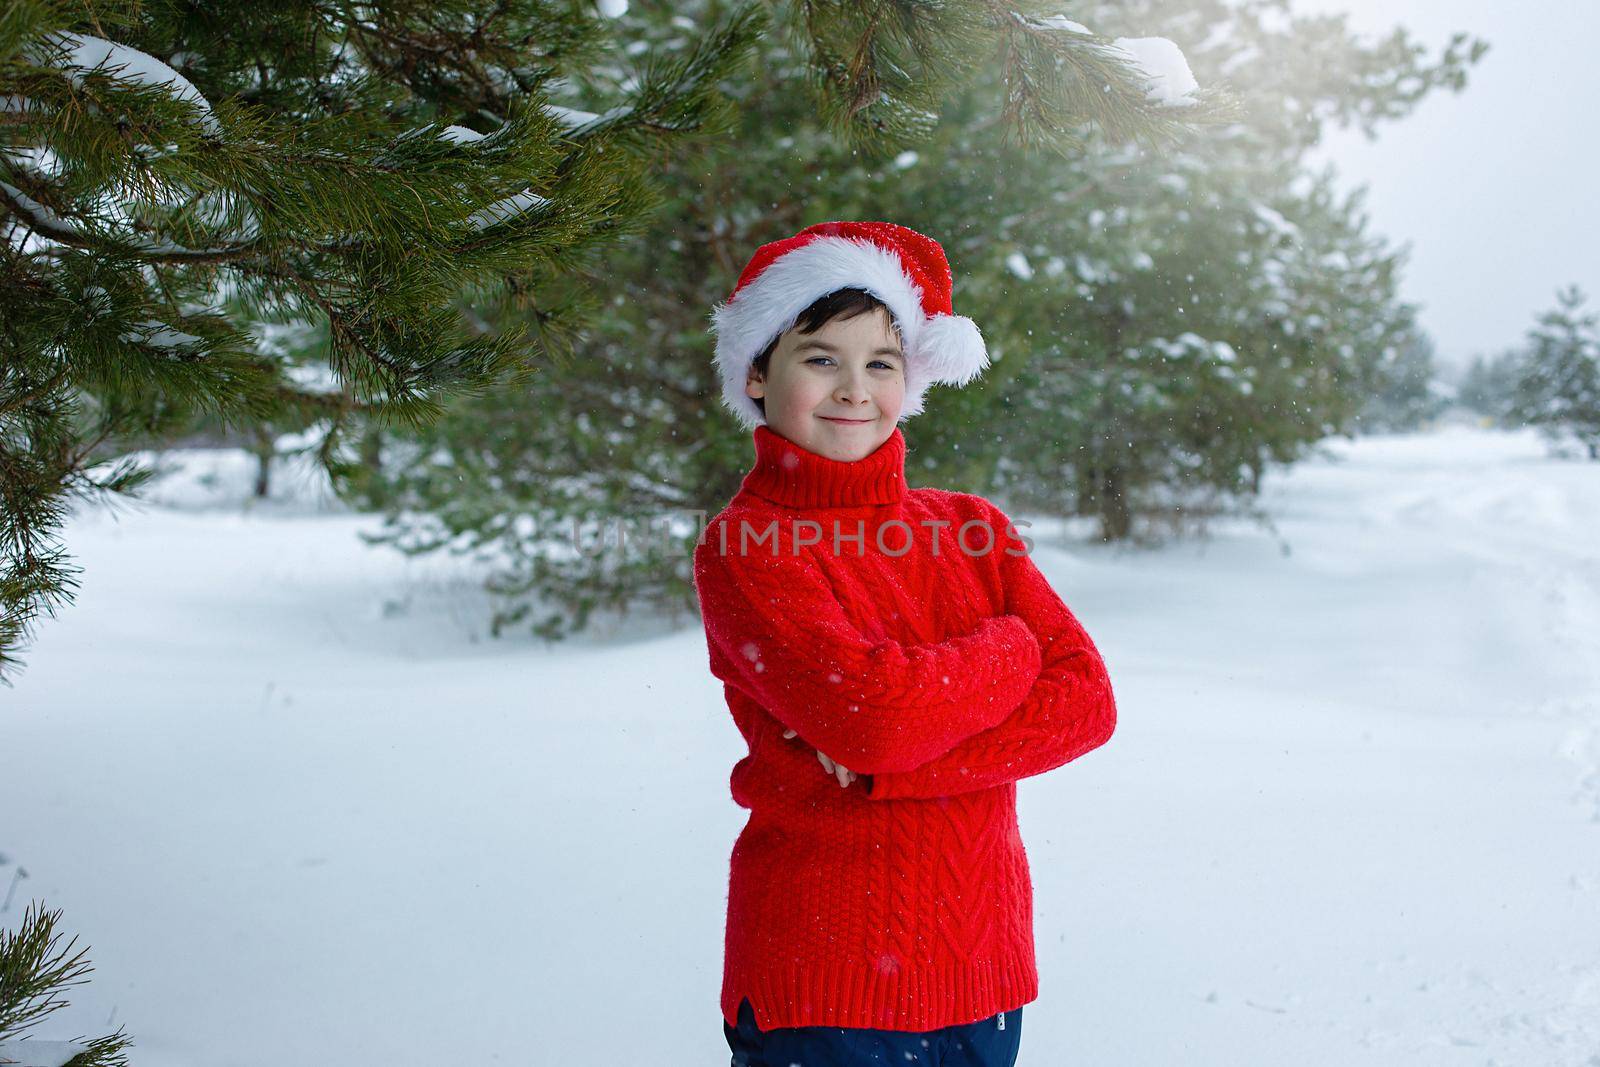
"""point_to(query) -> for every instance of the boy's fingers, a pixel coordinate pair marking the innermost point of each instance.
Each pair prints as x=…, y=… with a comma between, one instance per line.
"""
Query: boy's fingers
x=844, y=774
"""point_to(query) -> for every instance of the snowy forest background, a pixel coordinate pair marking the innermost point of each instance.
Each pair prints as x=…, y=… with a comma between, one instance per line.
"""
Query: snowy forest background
x=338, y=344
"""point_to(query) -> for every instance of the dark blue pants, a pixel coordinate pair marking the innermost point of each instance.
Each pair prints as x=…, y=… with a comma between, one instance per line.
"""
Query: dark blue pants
x=991, y=1042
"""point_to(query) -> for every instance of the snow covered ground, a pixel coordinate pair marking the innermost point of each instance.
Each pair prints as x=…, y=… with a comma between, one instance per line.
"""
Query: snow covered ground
x=301, y=811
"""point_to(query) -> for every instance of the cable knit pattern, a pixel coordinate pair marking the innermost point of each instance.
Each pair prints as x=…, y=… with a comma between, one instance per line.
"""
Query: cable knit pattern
x=885, y=627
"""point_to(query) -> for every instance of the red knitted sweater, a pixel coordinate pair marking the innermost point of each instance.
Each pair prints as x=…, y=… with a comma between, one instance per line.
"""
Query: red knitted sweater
x=939, y=672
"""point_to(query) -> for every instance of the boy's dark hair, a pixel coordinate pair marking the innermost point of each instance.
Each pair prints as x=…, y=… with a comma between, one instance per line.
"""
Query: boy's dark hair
x=839, y=304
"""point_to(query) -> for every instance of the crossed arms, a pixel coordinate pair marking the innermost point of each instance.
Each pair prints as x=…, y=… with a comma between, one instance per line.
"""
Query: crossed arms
x=1022, y=693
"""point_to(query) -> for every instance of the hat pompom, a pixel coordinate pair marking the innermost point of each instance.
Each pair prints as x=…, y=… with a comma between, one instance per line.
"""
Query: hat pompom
x=951, y=350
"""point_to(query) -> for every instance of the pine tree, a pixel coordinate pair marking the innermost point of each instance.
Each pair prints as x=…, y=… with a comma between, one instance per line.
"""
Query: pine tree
x=175, y=176
x=1558, y=390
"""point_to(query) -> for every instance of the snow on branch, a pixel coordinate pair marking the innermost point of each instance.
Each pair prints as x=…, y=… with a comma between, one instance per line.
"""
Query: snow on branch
x=1170, y=81
x=1166, y=70
x=39, y=217
x=460, y=135
x=158, y=334
x=88, y=53
x=502, y=210
x=582, y=121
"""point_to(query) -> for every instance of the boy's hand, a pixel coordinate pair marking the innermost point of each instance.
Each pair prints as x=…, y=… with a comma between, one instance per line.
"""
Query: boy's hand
x=838, y=770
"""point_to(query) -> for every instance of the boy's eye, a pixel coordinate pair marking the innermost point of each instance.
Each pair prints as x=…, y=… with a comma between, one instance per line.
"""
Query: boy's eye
x=877, y=362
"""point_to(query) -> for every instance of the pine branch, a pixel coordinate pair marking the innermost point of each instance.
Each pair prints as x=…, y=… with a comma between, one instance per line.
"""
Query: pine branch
x=33, y=974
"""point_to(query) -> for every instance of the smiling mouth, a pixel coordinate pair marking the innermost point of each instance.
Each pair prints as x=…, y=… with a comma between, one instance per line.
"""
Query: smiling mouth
x=847, y=422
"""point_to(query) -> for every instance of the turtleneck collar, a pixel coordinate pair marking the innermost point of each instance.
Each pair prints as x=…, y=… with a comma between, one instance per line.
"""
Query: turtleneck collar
x=796, y=477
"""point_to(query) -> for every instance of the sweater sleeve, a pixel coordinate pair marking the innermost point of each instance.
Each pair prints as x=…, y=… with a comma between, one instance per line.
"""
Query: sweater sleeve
x=777, y=632
x=1069, y=711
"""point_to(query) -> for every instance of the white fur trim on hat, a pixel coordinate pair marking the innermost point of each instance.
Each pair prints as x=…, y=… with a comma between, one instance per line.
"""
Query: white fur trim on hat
x=944, y=348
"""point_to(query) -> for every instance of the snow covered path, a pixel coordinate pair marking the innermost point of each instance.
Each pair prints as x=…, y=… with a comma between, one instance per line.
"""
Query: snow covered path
x=1351, y=815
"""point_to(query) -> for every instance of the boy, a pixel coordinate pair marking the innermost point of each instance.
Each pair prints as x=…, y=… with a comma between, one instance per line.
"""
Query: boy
x=883, y=914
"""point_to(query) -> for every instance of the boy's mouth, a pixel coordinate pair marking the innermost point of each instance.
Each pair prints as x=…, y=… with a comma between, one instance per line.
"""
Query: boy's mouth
x=846, y=422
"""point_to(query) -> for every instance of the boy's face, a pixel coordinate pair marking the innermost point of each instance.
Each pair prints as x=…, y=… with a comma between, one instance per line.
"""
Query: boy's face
x=837, y=392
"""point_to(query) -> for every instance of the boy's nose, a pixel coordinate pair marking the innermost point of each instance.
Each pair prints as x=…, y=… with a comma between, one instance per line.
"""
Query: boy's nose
x=852, y=388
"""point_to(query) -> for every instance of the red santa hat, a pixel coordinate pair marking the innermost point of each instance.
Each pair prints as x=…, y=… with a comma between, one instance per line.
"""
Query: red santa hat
x=903, y=268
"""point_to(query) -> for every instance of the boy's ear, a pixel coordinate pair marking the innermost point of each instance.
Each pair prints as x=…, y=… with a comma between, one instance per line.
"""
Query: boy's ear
x=755, y=387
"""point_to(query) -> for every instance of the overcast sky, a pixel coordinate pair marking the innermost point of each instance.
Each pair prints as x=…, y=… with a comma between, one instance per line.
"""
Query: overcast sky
x=1494, y=188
